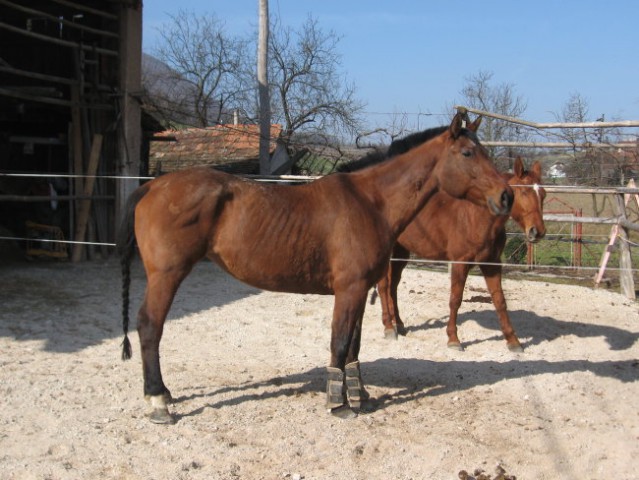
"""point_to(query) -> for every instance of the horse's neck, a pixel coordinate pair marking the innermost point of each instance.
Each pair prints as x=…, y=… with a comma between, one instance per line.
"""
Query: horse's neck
x=402, y=186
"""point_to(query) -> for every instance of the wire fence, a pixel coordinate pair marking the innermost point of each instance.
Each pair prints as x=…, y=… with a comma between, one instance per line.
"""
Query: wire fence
x=559, y=248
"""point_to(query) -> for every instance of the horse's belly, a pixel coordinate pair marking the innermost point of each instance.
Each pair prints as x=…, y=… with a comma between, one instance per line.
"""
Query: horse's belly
x=277, y=273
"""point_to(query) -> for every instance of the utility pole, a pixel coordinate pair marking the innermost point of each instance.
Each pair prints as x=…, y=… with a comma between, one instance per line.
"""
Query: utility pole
x=262, y=81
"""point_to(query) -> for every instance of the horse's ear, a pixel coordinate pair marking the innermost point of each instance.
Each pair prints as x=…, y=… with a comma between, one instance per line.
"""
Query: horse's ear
x=518, y=168
x=457, y=124
x=536, y=168
x=474, y=126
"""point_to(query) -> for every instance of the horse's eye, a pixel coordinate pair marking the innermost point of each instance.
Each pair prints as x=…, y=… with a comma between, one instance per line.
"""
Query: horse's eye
x=467, y=153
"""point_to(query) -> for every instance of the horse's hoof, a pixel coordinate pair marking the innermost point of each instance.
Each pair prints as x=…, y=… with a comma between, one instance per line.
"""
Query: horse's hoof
x=161, y=416
x=390, y=334
x=344, y=412
x=455, y=346
x=401, y=330
x=159, y=401
x=516, y=348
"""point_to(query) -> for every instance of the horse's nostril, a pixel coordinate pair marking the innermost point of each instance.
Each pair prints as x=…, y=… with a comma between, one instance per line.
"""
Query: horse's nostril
x=532, y=233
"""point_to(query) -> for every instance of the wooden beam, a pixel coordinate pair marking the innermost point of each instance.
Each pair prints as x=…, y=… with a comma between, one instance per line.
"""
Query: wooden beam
x=85, y=205
x=37, y=76
x=598, y=190
x=127, y=162
x=58, y=41
x=630, y=146
x=83, y=8
x=5, y=92
x=625, y=260
x=49, y=198
x=483, y=113
x=57, y=19
x=569, y=218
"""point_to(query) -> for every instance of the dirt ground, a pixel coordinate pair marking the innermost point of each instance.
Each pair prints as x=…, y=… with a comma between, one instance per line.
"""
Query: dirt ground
x=247, y=371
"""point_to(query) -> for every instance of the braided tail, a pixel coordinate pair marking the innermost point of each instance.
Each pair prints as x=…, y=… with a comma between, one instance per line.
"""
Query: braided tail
x=126, y=251
x=125, y=263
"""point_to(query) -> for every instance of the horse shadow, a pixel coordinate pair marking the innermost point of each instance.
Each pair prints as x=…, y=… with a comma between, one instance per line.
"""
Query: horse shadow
x=71, y=307
x=532, y=329
x=411, y=379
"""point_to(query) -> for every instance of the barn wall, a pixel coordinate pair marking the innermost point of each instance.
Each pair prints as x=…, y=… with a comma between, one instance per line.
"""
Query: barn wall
x=69, y=78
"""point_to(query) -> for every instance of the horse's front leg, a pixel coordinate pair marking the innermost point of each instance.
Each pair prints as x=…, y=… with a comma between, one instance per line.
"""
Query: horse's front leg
x=158, y=297
x=345, y=389
x=492, y=275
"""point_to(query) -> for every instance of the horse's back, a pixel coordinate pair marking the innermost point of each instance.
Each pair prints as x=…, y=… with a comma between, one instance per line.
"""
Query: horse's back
x=295, y=238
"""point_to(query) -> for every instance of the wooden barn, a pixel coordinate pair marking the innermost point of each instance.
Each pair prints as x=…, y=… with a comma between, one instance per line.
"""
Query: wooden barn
x=70, y=121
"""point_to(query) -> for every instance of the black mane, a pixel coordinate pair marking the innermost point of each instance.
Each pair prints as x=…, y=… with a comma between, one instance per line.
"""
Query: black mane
x=398, y=147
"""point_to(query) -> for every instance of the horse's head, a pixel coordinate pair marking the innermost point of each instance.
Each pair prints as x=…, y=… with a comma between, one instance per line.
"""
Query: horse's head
x=527, y=208
x=467, y=171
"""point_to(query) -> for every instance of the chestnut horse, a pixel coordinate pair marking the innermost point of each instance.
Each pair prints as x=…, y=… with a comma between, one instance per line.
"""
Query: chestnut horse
x=332, y=236
x=453, y=229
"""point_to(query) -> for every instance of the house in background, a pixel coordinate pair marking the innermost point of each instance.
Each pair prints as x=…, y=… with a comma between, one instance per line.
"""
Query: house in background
x=231, y=148
x=628, y=160
x=557, y=171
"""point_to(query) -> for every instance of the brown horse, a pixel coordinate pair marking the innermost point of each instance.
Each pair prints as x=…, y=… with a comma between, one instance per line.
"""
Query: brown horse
x=454, y=229
x=331, y=236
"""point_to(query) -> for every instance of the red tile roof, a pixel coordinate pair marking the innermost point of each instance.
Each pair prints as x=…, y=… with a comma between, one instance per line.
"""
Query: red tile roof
x=228, y=147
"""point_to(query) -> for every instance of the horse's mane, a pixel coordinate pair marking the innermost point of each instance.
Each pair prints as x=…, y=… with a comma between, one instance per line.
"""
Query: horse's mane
x=403, y=145
x=376, y=156
x=397, y=147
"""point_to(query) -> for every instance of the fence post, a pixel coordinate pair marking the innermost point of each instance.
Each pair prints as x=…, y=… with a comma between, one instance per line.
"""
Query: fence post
x=530, y=255
x=625, y=260
x=578, y=228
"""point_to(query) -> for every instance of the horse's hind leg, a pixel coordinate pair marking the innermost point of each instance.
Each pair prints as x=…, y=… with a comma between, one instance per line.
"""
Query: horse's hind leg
x=160, y=291
x=401, y=256
x=387, y=289
x=344, y=386
x=384, y=292
x=492, y=275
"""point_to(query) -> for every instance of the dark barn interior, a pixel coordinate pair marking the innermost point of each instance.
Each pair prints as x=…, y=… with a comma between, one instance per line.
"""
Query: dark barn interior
x=70, y=122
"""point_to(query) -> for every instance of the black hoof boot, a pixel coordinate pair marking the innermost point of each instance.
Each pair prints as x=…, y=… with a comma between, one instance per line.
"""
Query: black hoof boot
x=354, y=386
x=334, y=388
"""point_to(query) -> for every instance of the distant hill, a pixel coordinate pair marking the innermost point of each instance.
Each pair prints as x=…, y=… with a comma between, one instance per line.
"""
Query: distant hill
x=168, y=96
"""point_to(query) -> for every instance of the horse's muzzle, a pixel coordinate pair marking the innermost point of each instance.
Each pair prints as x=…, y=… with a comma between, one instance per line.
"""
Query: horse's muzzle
x=533, y=235
x=505, y=203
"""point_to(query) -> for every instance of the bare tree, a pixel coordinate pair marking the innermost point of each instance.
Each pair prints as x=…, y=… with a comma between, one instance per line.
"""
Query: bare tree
x=589, y=166
x=309, y=96
x=207, y=64
x=481, y=93
x=308, y=92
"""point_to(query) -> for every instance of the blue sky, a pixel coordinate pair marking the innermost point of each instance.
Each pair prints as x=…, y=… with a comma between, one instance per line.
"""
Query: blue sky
x=414, y=55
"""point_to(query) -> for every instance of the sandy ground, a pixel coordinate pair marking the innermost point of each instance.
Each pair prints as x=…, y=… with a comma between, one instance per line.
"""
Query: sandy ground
x=247, y=370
